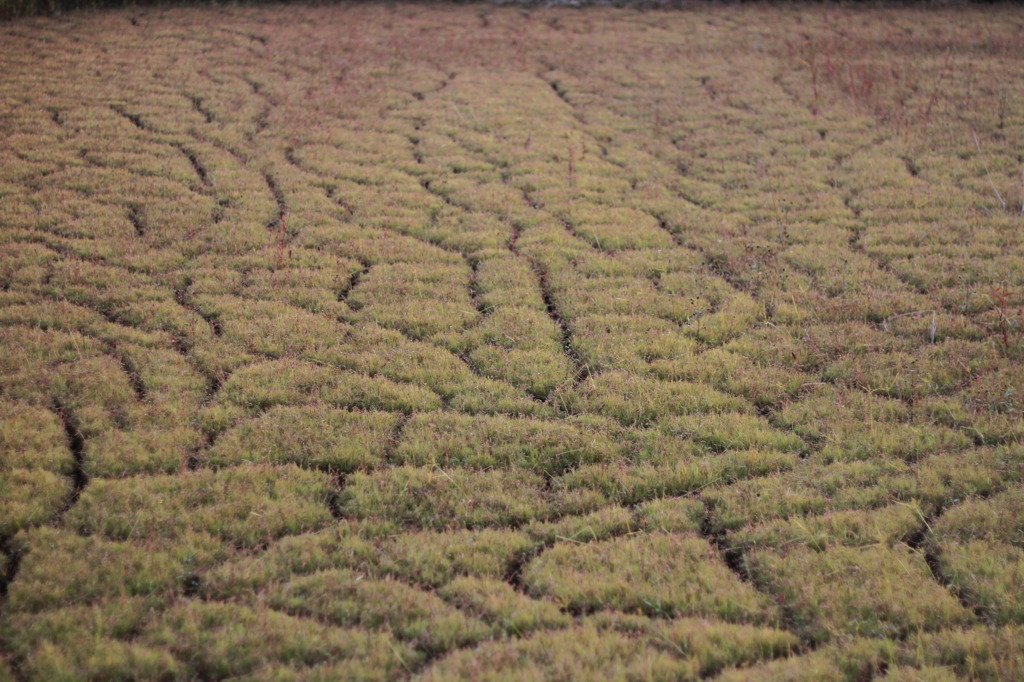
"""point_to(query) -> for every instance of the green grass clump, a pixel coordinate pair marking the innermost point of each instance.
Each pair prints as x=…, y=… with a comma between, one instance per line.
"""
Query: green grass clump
x=96, y=394
x=32, y=357
x=658, y=574
x=346, y=598
x=481, y=395
x=497, y=603
x=616, y=229
x=764, y=385
x=635, y=400
x=63, y=316
x=243, y=506
x=433, y=558
x=32, y=438
x=30, y=497
x=59, y=568
x=520, y=345
x=343, y=545
x=89, y=642
x=804, y=491
x=77, y=647
x=619, y=647
x=873, y=591
x=634, y=343
x=731, y=431
x=599, y=525
x=275, y=329
x=262, y=386
x=538, y=371
x=582, y=651
x=738, y=314
x=911, y=442
x=850, y=425
x=547, y=447
x=452, y=498
x=980, y=653
x=667, y=476
x=218, y=641
x=849, y=661
x=318, y=437
x=708, y=645
x=923, y=674
x=672, y=515
x=140, y=450
x=426, y=558
x=941, y=481
x=936, y=370
x=507, y=280
x=989, y=409
x=421, y=300
x=980, y=550
x=814, y=414
x=280, y=331
x=850, y=528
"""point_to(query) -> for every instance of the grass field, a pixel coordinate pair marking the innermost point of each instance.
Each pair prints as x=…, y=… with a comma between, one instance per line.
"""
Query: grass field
x=493, y=343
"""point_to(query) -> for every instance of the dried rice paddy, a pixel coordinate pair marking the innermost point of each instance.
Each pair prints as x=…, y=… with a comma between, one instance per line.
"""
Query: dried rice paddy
x=498, y=343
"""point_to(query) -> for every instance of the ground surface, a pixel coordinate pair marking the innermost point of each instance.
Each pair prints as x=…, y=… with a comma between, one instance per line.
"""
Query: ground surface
x=475, y=343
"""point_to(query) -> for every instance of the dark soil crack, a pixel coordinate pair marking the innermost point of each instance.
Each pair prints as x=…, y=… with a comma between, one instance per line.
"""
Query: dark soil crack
x=76, y=443
x=197, y=166
x=182, y=298
x=581, y=371
x=134, y=119
x=277, y=223
x=918, y=543
x=353, y=282
x=135, y=218
x=197, y=104
x=134, y=379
